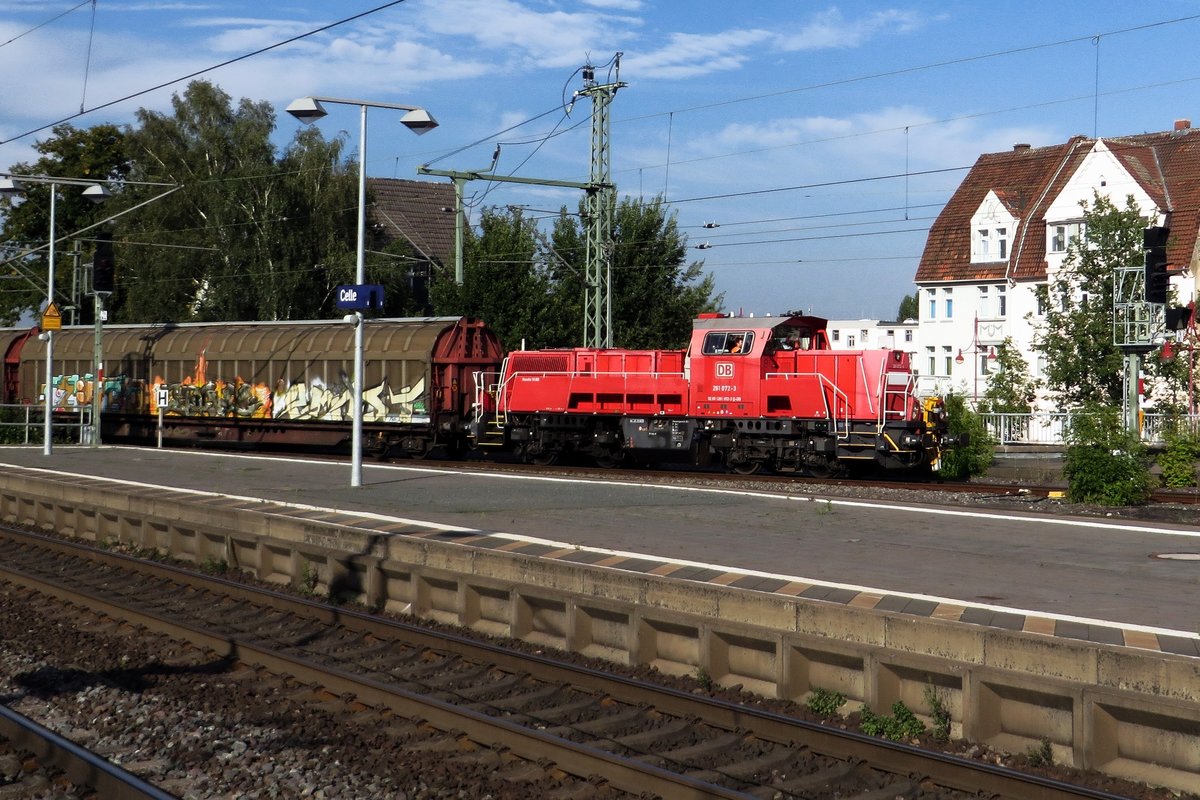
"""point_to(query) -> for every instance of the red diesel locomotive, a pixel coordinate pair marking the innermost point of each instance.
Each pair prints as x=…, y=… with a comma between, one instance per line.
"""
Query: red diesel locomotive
x=749, y=393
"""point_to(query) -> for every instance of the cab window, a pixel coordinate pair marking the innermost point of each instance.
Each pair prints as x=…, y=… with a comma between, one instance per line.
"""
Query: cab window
x=728, y=342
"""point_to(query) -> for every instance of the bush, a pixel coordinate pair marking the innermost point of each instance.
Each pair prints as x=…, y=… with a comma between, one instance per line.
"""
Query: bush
x=1103, y=462
x=1178, y=460
x=902, y=724
x=976, y=456
x=825, y=702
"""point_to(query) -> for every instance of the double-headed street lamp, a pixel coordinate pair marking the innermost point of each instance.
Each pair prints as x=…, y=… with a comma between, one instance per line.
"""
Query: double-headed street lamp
x=13, y=184
x=417, y=120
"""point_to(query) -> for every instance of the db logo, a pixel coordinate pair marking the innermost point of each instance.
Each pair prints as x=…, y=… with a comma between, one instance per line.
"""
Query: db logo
x=724, y=369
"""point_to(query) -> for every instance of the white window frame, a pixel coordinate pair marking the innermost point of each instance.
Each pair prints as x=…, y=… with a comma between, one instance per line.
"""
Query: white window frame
x=1060, y=235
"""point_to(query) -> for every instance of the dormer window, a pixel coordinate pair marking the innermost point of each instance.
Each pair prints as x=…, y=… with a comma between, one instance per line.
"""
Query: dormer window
x=990, y=244
x=991, y=230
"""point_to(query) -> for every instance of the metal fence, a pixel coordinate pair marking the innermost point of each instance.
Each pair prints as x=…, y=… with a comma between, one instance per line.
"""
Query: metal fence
x=1049, y=428
x=26, y=423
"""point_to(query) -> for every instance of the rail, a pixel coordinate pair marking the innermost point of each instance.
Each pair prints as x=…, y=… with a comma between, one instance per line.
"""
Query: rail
x=23, y=423
x=81, y=766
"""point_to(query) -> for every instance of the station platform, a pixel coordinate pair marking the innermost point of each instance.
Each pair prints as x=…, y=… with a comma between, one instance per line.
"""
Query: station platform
x=1084, y=579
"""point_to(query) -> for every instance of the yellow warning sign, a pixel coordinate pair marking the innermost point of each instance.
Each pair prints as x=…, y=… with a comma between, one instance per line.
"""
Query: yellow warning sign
x=51, y=318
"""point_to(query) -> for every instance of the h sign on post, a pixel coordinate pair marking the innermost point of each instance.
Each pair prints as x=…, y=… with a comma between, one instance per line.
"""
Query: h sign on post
x=360, y=297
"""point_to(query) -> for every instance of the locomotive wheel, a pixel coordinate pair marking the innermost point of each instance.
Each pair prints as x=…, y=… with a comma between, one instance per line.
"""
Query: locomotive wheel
x=823, y=468
x=542, y=458
x=746, y=467
x=609, y=459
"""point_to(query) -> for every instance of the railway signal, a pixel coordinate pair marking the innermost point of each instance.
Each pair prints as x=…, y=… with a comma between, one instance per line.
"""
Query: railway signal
x=1157, y=282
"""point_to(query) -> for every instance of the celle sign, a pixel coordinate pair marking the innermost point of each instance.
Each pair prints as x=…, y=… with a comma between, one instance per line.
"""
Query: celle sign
x=360, y=296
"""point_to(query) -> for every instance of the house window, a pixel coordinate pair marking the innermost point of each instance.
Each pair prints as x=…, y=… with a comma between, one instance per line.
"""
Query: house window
x=850, y=341
x=1001, y=302
x=862, y=335
x=932, y=304
x=948, y=357
x=1061, y=236
x=985, y=364
x=985, y=309
x=989, y=244
x=949, y=303
x=930, y=354
x=1041, y=306
x=983, y=244
x=908, y=336
x=835, y=334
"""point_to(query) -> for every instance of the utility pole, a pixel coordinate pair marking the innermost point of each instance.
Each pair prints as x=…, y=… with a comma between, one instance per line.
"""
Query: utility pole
x=600, y=205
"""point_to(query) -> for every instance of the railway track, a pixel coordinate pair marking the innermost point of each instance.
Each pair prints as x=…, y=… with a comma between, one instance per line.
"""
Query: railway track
x=981, y=488
x=45, y=755
x=565, y=720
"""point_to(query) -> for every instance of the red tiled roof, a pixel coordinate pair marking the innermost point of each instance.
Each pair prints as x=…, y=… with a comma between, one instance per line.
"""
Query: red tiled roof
x=413, y=211
x=1166, y=165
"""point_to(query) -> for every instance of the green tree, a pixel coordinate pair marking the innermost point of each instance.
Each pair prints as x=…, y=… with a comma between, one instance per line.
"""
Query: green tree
x=1010, y=389
x=251, y=235
x=530, y=286
x=501, y=281
x=97, y=152
x=656, y=293
x=1076, y=337
x=909, y=308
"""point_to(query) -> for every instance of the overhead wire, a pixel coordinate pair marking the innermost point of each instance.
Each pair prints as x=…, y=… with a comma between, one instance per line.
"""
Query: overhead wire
x=918, y=68
x=227, y=62
x=41, y=25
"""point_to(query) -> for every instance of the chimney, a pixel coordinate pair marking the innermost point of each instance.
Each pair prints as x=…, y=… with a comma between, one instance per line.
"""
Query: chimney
x=1182, y=124
x=1017, y=148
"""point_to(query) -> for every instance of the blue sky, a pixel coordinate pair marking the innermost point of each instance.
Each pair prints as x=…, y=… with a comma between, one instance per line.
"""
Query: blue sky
x=822, y=138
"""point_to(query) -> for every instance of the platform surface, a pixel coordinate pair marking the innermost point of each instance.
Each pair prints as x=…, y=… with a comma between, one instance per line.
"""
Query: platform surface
x=1083, y=578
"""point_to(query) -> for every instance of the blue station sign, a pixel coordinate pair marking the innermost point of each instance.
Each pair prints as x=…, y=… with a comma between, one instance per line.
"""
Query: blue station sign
x=360, y=296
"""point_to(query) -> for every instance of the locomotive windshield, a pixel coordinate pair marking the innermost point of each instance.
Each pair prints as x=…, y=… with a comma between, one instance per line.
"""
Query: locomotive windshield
x=790, y=337
x=728, y=342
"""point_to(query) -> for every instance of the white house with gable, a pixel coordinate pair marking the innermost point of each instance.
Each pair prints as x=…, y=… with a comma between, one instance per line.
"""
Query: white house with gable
x=1006, y=231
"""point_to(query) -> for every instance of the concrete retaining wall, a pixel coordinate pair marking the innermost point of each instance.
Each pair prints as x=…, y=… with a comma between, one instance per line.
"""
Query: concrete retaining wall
x=1128, y=712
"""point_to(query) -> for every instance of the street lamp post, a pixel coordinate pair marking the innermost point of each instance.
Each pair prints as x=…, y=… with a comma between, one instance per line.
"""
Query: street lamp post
x=419, y=121
x=97, y=194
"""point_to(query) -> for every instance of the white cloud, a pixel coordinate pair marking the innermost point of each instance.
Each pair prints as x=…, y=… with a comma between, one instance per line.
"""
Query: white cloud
x=831, y=29
x=687, y=55
x=620, y=5
x=516, y=34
